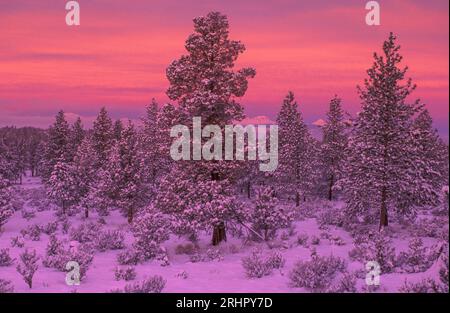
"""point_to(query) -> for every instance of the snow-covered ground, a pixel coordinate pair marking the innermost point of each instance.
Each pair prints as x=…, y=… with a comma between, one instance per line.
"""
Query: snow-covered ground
x=224, y=275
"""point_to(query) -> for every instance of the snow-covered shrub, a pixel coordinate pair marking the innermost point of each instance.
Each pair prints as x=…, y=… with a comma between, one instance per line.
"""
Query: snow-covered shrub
x=16, y=203
x=315, y=240
x=417, y=259
x=5, y=258
x=83, y=255
x=28, y=214
x=150, y=229
x=374, y=247
x=183, y=274
x=426, y=285
x=163, y=257
x=275, y=260
x=430, y=227
x=306, y=210
x=86, y=232
x=302, y=239
x=331, y=216
x=429, y=285
x=128, y=257
x=284, y=236
x=267, y=215
x=110, y=240
x=255, y=265
x=196, y=257
x=188, y=249
x=50, y=228
x=6, y=286
x=325, y=235
x=5, y=214
x=28, y=266
x=65, y=225
x=346, y=284
x=443, y=271
x=54, y=248
x=6, y=209
x=153, y=284
x=17, y=241
x=213, y=254
x=317, y=273
x=33, y=232
x=127, y=273
x=336, y=240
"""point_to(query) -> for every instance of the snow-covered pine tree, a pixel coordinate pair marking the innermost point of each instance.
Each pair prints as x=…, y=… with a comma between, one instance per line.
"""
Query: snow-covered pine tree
x=379, y=157
x=150, y=229
x=57, y=146
x=6, y=209
x=117, y=129
x=76, y=136
x=102, y=136
x=168, y=116
x=63, y=185
x=267, y=215
x=429, y=161
x=149, y=142
x=85, y=162
x=334, y=142
x=205, y=85
x=28, y=266
x=297, y=170
x=125, y=184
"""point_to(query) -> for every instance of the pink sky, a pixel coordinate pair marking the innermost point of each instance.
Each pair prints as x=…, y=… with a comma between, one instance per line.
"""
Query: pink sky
x=118, y=56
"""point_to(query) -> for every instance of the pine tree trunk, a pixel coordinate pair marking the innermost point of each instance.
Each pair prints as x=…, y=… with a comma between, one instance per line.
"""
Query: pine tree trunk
x=383, y=210
x=219, y=234
x=248, y=189
x=297, y=199
x=86, y=212
x=330, y=188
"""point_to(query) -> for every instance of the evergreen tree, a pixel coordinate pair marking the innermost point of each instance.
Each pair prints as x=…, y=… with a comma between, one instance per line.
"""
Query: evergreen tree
x=63, y=185
x=85, y=169
x=205, y=85
x=429, y=161
x=150, y=143
x=334, y=142
x=297, y=170
x=378, y=176
x=57, y=147
x=76, y=137
x=118, y=128
x=125, y=182
x=102, y=136
x=268, y=216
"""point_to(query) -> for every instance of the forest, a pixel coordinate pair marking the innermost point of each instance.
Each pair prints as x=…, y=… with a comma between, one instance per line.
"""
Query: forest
x=363, y=208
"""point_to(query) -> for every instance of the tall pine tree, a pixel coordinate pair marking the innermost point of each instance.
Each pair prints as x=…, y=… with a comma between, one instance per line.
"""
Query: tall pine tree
x=334, y=142
x=102, y=136
x=297, y=170
x=57, y=148
x=205, y=85
x=429, y=161
x=379, y=155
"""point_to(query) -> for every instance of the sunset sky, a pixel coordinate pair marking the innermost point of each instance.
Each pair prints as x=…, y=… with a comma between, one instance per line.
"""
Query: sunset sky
x=118, y=55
